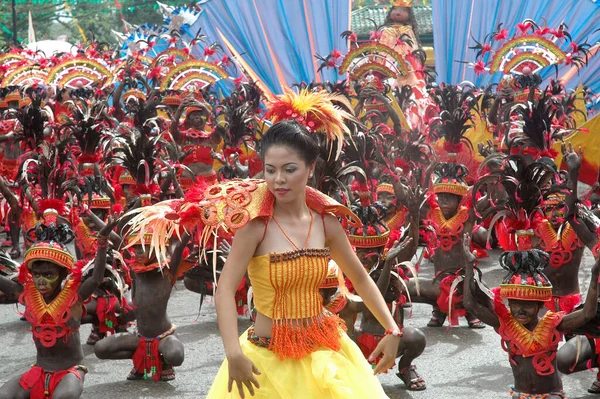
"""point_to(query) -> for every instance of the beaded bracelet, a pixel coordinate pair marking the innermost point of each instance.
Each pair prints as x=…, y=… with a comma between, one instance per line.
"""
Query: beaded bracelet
x=394, y=332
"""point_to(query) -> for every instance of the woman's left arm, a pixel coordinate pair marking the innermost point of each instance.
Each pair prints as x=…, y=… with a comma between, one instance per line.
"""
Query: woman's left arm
x=343, y=254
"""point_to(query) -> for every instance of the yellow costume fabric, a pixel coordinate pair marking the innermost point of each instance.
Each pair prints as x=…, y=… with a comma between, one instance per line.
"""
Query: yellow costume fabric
x=341, y=374
x=312, y=360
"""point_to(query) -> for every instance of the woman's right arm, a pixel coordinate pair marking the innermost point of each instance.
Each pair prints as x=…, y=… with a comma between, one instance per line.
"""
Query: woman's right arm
x=245, y=242
x=244, y=245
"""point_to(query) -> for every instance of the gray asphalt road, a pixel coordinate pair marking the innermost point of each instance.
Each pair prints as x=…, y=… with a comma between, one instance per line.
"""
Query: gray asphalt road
x=459, y=363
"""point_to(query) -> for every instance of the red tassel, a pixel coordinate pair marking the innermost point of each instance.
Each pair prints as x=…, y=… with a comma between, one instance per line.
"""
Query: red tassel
x=146, y=359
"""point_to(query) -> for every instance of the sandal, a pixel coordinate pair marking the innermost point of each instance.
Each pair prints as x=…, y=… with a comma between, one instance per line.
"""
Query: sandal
x=436, y=321
x=595, y=388
x=476, y=324
x=417, y=383
x=94, y=337
x=15, y=253
x=167, y=373
x=134, y=375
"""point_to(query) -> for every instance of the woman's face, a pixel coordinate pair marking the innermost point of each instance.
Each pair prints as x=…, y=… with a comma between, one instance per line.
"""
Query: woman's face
x=286, y=173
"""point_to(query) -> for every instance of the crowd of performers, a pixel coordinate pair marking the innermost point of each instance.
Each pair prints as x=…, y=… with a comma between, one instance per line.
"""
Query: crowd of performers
x=148, y=172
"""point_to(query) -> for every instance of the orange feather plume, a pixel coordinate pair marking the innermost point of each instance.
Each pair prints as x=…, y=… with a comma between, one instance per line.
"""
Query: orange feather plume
x=315, y=110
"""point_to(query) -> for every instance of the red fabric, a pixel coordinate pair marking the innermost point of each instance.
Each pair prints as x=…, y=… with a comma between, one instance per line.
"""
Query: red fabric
x=241, y=298
x=444, y=297
x=147, y=357
x=367, y=344
x=566, y=303
x=35, y=379
x=200, y=154
x=106, y=311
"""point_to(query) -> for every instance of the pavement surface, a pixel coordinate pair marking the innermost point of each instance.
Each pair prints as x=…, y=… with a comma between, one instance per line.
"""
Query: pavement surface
x=458, y=363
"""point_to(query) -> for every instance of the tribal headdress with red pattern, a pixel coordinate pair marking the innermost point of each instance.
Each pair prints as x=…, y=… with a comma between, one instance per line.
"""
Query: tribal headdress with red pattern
x=373, y=233
x=139, y=154
x=516, y=192
x=526, y=280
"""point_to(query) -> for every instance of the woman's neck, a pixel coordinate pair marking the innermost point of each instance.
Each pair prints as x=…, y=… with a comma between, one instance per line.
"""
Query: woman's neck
x=294, y=209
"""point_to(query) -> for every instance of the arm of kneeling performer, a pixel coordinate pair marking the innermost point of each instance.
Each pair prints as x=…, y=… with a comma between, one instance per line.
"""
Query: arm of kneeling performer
x=582, y=316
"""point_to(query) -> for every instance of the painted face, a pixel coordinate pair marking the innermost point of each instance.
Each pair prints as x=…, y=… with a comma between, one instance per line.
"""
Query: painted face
x=556, y=216
x=388, y=200
x=369, y=257
x=46, y=277
x=524, y=311
x=448, y=204
x=196, y=119
x=142, y=255
x=132, y=105
x=286, y=174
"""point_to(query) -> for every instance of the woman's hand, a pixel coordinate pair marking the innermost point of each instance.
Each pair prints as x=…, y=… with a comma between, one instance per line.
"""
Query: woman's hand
x=242, y=371
x=388, y=346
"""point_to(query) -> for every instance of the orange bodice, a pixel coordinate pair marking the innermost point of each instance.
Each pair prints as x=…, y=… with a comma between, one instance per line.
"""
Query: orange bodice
x=286, y=285
x=286, y=289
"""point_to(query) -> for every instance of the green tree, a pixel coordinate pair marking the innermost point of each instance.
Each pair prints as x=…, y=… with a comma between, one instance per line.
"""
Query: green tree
x=51, y=18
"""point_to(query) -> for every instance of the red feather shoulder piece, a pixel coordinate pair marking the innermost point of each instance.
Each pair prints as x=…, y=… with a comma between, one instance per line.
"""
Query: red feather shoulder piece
x=219, y=210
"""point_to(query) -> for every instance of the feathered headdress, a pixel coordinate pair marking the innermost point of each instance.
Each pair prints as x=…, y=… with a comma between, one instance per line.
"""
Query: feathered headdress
x=526, y=280
x=139, y=153
x=531, y=127
x=516, y=192
x=315, y=111
x=450, y=178
x=455, y=104
x=373, y=233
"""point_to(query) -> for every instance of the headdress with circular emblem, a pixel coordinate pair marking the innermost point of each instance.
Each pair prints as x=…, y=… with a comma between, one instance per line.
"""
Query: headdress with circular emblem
x=532, y=48
x=78, y=72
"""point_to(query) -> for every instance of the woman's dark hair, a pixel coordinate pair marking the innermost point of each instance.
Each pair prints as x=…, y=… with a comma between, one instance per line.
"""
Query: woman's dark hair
x=291, y=134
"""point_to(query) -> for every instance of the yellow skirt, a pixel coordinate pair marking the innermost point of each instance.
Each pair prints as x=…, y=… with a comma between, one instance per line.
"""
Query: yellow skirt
x=322, y=374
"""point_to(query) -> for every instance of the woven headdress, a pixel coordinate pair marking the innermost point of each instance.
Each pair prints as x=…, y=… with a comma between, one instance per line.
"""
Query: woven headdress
x=450, y=178
x=50, y=245
x=373, y=233
x=525, y=280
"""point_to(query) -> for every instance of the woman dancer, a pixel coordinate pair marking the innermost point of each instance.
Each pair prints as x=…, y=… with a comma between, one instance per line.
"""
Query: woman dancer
x=286, y=257
x=285, y=236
